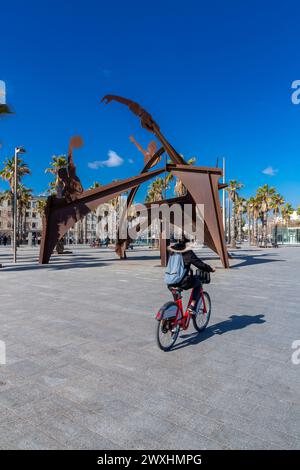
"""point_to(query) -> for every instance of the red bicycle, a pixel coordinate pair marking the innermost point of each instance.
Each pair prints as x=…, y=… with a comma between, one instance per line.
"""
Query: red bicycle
x=172, y=319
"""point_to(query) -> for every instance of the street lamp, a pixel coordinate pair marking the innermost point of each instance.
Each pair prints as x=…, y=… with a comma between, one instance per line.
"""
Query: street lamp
x=224, y=196
x=17, y=151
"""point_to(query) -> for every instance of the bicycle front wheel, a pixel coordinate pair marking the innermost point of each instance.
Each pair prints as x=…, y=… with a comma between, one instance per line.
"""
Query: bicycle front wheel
x=201, y=319
x=167, y=328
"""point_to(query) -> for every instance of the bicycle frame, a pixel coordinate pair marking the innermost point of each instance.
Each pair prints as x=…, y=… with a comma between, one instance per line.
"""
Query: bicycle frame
x=183, y=319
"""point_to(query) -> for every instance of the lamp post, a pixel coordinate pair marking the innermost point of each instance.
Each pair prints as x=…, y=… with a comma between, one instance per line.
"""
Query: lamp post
x=17, y=151
x=224, y=197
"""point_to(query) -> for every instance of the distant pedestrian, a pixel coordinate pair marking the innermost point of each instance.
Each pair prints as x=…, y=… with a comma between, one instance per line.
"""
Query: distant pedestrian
x=4, y=239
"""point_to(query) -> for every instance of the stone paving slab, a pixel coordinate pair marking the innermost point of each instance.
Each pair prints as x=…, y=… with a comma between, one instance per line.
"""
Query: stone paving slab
x=83, y=370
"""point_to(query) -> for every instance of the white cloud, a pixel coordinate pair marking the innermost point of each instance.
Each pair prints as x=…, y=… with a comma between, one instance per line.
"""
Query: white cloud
x=270, y=171
x=113, y=160
x=130, y=160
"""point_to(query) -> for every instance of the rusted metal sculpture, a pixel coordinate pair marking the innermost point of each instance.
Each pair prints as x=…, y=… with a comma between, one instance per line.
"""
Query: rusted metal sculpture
x=61, y=215
x=68, y=180
x=147, y=122
x=148, y=154
x=203, y=189
x=201, y=184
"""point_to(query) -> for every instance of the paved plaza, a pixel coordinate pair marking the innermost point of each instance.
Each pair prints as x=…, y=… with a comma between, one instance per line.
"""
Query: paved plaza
x=83, y=370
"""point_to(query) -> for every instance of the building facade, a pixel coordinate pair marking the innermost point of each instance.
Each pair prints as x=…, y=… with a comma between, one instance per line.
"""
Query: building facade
x=288, y=235
x=5, y=217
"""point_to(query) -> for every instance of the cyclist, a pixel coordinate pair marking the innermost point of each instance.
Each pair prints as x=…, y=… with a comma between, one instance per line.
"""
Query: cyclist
x=189, y=280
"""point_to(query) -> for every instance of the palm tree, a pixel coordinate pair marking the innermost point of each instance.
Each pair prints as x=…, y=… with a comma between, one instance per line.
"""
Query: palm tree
x=298, y=210
x=155, y=193
x=41, y=206
x=7, y=173
x=265, y=194
x=256, y=214
x=250, y=205
x=155, y=190
x=287, y=211
x=7, y=195
x=95, y=185
x=24, y=197
x=180, y=189
x=233, y=188
x=240, y=207
x=277, y=202
x=58, y=161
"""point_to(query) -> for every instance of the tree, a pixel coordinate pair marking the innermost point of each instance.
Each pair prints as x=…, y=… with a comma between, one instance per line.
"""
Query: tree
x=155, y=190
x=256, y=214
x=233, y=188
x=24, y=197
x=277, y=202
x=286, y=212
x=155, y=193
x=265, y=194
x=41, y=206
x=58, y=161
x=180, y=189
x=7, y=173
x=95, y=185
x=250, y=205
x=240, y=207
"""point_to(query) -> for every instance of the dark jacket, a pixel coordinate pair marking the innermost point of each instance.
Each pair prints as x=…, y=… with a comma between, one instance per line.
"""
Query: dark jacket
x=189, y=258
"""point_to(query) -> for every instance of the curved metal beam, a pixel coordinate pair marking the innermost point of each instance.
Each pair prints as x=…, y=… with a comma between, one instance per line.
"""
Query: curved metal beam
x=147, y=122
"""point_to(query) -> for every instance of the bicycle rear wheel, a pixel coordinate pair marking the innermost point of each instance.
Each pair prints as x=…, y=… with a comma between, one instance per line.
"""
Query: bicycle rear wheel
x=201, y=319
x=167, y=329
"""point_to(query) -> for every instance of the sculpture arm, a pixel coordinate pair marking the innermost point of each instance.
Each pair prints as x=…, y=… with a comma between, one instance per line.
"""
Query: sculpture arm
x=138, y=146
x=71, y=165
x=146, y=119
x=148, y=123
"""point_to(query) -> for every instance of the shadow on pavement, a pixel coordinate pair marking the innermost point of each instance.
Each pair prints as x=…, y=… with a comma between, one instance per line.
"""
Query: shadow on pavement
x=72, y=260
x=54, y=267
x=234, y=322
x=247, y=260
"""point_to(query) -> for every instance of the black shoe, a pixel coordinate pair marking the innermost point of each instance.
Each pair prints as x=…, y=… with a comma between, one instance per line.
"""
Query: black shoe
x=192, y=310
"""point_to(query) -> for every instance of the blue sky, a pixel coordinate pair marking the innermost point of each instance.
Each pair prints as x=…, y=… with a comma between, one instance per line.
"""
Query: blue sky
x=215, y=75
